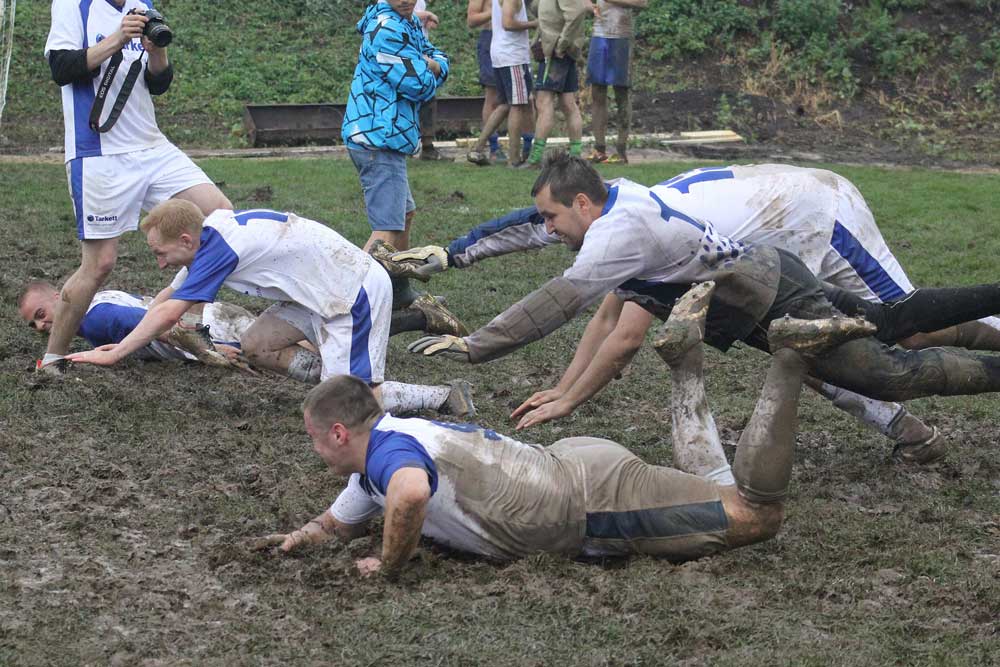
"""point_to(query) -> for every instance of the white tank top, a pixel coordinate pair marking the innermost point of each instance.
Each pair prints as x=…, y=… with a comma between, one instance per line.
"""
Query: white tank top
x=509, y=47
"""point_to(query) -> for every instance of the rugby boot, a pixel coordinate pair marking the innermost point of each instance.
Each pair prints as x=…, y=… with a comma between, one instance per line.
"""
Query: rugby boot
x=196, y=341
x=433, y=154
x=685, y=327
x=439, y=320
x=459, y=401
x=478, y=158
x=923, y=452
x=812, y=338
x=383, y=252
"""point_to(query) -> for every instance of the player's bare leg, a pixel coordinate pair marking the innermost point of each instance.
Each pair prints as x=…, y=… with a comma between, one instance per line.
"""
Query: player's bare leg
x=623, y=113
x=273, y=344
x=205, y=196
x=98, y=259
x=696, y=444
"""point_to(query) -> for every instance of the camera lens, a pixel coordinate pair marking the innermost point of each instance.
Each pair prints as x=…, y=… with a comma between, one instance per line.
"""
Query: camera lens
x=159, y=34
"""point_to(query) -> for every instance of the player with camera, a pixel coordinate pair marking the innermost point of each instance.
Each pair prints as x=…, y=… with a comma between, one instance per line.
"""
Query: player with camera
x=117, y=160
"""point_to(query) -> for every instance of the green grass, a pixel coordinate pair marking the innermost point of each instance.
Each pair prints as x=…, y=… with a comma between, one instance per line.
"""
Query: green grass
x=130, y=491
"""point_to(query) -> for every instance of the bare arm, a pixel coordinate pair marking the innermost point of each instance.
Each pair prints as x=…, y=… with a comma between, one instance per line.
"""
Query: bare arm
x=406, y=500
x=479, y=13
x=156, y=320
x=510, y=21
x=162, y=296
x=614, y=354
x=319, y=529
x=600, y=326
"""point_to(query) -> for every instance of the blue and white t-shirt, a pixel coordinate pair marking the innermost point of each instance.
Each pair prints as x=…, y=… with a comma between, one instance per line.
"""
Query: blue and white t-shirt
x=276, y=256
x=491, y=494
x=80, y=24
x=111, y=316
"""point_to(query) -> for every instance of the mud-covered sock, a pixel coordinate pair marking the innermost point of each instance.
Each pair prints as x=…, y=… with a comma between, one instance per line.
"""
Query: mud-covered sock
x=305, y=366
x=723, y=476
x=401, y=397
x=494, y=142
x=407, y=319
x=576, y=148
x=537, y=151
x=879, y=415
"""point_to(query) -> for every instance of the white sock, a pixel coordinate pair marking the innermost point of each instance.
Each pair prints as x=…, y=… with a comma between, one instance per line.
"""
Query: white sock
x=722, y=476
x=877, y=414
x=400, y=397
x=305, y=366
x=51, y=358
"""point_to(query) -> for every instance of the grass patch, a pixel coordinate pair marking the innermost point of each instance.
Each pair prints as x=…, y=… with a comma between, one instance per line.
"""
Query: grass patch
x=131, y=490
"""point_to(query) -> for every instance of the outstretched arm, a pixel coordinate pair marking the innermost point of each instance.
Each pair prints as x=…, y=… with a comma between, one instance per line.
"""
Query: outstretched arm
x=156, y=321
x=614, y=354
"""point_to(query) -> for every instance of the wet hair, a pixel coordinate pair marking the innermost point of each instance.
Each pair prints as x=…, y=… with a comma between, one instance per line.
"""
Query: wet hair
x=568, y=175
x=31, y=288
x=344, y=399
x=173, y=218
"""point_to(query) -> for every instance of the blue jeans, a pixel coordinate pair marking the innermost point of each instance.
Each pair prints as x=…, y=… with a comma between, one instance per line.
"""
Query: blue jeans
x=386, y=187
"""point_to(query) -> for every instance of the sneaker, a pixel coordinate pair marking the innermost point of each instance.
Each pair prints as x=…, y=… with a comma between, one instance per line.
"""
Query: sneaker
x=928, y=451
x=685, y=327
x=811, y=338
x=597, y=157
x=431, y=153
x=616, y=158
x=478, y=157
x=498, y=156
x=439, y=319
x=459, y=401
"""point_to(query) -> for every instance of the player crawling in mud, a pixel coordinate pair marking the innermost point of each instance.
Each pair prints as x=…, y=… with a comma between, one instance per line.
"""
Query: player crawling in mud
x=478, y=491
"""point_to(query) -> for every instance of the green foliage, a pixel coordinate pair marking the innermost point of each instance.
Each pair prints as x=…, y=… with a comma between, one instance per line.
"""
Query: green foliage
x=673, y=28
x=807, y=22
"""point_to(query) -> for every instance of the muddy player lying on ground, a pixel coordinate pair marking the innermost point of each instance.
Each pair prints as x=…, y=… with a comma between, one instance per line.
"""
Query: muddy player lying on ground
x=813, y=213
x=475, y=490
x=330, y=293
x=632, y=242
x=113, y=314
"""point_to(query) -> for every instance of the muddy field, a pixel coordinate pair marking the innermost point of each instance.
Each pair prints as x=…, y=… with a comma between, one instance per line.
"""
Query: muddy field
x=131, y=496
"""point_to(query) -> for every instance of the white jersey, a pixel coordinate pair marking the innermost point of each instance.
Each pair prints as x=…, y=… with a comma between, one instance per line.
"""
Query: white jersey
x=80, y=24
x=491, y=494
x=813, y=213
x=640, y=240
x=509, y=48
x=276, y=256
x=613, y=21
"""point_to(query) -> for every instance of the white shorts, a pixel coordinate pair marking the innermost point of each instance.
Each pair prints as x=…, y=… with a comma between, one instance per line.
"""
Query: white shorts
x=353, y=343
x=859, y=260
x=226, y=322
x=108, y=191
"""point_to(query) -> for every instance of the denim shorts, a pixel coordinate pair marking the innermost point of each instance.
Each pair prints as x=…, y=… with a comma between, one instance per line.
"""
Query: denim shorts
x=387, y=190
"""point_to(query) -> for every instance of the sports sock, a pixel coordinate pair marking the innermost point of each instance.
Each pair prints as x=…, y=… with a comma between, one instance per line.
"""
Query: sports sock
x=305, y=366
x=494, y=142
x=697, y=449
x=880, y=415
x=537, y=151
x=526, y=139
x=576, y=148
x=401, y=397
x=403, y=293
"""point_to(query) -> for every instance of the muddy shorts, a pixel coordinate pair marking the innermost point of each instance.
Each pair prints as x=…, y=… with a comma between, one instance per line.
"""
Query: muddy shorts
x=486, y=75
x=558, y=75
x=608, y=61
x=353, y=343
x=633, y=507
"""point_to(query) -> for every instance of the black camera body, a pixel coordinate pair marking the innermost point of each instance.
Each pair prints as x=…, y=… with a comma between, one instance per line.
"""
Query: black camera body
x=157, y=31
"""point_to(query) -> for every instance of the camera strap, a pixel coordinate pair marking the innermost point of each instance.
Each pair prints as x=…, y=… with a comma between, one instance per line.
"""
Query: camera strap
x=105, y=86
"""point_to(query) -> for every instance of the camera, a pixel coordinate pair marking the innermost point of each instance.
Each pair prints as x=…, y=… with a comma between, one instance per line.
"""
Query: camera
x=156, y=30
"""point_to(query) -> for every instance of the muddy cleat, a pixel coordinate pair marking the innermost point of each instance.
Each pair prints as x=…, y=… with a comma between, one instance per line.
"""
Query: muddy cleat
x=459, y=401
x=597, y=157
x=685, y=327
x=383, y=253
x=54, y=368
x=197, y=342
x=928, y=451
x=812, y=338
x=439, y=319
x=433, y=154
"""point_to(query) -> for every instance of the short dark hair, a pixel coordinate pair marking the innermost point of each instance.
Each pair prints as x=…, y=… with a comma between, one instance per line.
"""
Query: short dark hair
x=341, y=398
x=30, y=288
x=568, y=175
